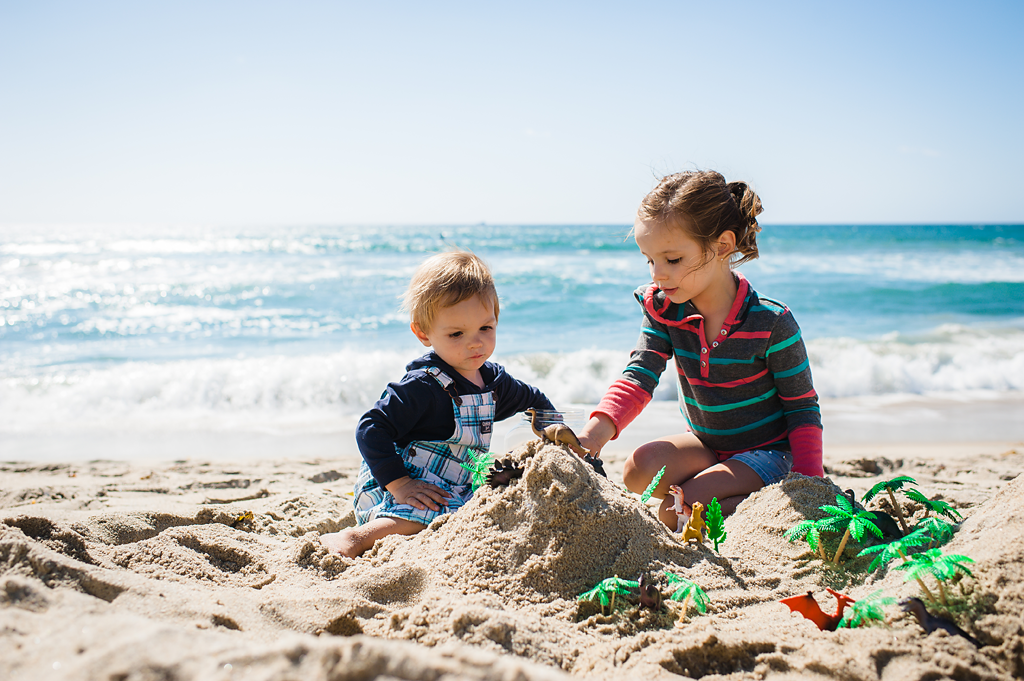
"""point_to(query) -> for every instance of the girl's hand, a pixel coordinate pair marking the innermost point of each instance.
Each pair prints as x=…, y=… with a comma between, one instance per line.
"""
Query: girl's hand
x=418, y=494
x=596, y=433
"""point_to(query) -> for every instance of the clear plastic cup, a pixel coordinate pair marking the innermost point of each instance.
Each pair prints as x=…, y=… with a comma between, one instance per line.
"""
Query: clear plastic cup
x=522, y=432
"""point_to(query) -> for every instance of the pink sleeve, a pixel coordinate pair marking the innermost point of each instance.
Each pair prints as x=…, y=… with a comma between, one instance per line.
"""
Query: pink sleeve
x=622, y=402
x=806, y=446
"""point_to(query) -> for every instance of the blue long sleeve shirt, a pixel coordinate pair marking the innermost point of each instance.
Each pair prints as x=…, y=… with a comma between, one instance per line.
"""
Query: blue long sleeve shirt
x=417, y=408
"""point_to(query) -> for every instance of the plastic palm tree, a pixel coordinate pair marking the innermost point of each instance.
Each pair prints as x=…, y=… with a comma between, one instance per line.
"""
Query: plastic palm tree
x=866, y=609
x=479, y=464
x=606, y=590
x=945, y=568
x=886, y=553
x=938, y=529
x=932, y=562
x=936, y=506
x=848, y=520
x=645, y=497
x=716, y=523
x=890, y=486
x=808, y=529
x=685, y=591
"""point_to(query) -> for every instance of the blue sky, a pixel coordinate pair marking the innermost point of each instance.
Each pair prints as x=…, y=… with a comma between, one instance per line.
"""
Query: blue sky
x=259, y=113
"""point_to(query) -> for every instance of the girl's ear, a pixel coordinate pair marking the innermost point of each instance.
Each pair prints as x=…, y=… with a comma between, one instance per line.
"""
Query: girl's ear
x=726, y=245
x=418, y=332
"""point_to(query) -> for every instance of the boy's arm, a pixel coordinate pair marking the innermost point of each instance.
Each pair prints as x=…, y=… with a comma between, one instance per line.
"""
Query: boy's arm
x=790, y=367
x=512, y=396
x=397, y=413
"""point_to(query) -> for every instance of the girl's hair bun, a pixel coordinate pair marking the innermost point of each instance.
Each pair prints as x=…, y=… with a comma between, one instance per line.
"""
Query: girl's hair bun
x=749, y=205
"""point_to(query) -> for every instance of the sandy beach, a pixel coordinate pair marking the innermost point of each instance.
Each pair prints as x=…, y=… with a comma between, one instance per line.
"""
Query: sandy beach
x=212, y=569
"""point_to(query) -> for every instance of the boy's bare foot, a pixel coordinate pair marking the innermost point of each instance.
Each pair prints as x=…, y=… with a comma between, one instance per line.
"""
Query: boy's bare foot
x=344, y=542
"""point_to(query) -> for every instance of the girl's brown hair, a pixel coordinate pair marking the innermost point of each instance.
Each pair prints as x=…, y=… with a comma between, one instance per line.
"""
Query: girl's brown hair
x=704, y=205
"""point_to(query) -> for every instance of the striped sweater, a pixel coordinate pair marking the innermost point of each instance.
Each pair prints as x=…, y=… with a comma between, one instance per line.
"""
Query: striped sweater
x=749, y=389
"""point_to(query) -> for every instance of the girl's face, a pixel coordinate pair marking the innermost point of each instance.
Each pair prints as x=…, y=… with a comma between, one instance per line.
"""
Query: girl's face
x=679, y=266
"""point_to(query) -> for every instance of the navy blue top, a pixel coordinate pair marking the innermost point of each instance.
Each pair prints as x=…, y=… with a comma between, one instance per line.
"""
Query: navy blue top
x=418, y=408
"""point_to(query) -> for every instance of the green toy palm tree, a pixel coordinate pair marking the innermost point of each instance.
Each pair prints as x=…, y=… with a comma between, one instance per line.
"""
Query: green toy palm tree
x=480, y=463
x=866, y=609
x=890, y=486
x=715, y=522
x=942, y=568
x=938, y=529
x=687, y=590
x=846, y=519
x=606, y=590
x=808, y=529
x=945, y=568
x=886, y=553
x=645, y=497
x=935, y=506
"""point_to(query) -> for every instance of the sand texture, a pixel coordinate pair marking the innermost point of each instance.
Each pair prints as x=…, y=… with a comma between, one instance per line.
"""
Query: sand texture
x=194, y=570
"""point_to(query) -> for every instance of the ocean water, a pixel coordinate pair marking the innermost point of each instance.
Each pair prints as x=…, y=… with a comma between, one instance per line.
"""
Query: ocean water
x=299, y=327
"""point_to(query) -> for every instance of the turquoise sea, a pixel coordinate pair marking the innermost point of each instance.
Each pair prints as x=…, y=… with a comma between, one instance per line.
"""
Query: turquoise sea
x=134, y=327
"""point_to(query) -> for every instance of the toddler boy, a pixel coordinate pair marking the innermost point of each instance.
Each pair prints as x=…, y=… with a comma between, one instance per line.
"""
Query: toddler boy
x=414, y=438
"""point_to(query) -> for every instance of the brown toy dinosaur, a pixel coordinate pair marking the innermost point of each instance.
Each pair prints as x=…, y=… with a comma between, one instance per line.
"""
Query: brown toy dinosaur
x=558, y=433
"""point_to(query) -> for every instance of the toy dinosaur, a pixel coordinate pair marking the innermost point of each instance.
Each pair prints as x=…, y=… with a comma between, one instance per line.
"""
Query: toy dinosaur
x=691, y=525
x=930, y=622
x=596, y=464
x=809, y=608
x=695, y=525
x=557, y=433
x=650, y=596
x=503, y=473
x=681, y=516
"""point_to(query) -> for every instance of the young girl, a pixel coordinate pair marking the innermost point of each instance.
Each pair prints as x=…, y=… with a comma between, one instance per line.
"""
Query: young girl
x=744, y=381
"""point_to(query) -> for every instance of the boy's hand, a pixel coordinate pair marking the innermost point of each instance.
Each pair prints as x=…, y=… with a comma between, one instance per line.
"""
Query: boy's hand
x=418, y=494
x=596, y=433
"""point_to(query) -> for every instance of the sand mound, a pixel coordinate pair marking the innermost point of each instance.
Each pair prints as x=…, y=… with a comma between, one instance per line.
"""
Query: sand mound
x=551, y=535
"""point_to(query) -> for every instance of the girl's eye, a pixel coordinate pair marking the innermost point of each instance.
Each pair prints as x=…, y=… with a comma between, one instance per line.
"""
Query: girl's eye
x=674, y=261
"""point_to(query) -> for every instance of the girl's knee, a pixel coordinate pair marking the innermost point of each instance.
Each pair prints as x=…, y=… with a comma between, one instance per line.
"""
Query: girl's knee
x=642, y=465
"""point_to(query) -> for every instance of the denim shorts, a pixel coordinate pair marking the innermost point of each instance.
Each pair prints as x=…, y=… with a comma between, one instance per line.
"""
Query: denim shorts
x=771, y=465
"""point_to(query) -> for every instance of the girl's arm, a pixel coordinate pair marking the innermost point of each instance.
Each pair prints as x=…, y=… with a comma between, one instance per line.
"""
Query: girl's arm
x=627, y=397
x=788, y=362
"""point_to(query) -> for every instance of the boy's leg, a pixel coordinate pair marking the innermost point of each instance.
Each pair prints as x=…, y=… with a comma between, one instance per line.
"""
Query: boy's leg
x=353, y=541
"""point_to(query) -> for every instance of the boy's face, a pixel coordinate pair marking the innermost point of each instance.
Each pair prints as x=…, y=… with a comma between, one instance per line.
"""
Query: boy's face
x=463, y=335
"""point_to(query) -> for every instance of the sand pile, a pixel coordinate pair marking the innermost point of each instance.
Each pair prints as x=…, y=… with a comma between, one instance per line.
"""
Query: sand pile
x=206, y=585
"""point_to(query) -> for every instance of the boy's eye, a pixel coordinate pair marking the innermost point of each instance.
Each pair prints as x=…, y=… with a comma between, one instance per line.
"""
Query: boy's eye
x=455, y=335
x=486, y=327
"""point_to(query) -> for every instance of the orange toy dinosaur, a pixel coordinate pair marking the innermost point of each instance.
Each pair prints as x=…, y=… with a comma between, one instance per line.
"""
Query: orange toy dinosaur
x=809, y=608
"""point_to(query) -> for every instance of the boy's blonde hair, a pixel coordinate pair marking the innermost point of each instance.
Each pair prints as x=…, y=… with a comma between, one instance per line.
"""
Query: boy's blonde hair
x=444, y=280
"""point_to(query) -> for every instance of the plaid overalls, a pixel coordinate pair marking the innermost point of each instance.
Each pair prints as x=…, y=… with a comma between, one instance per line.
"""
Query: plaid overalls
x=434, y=462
